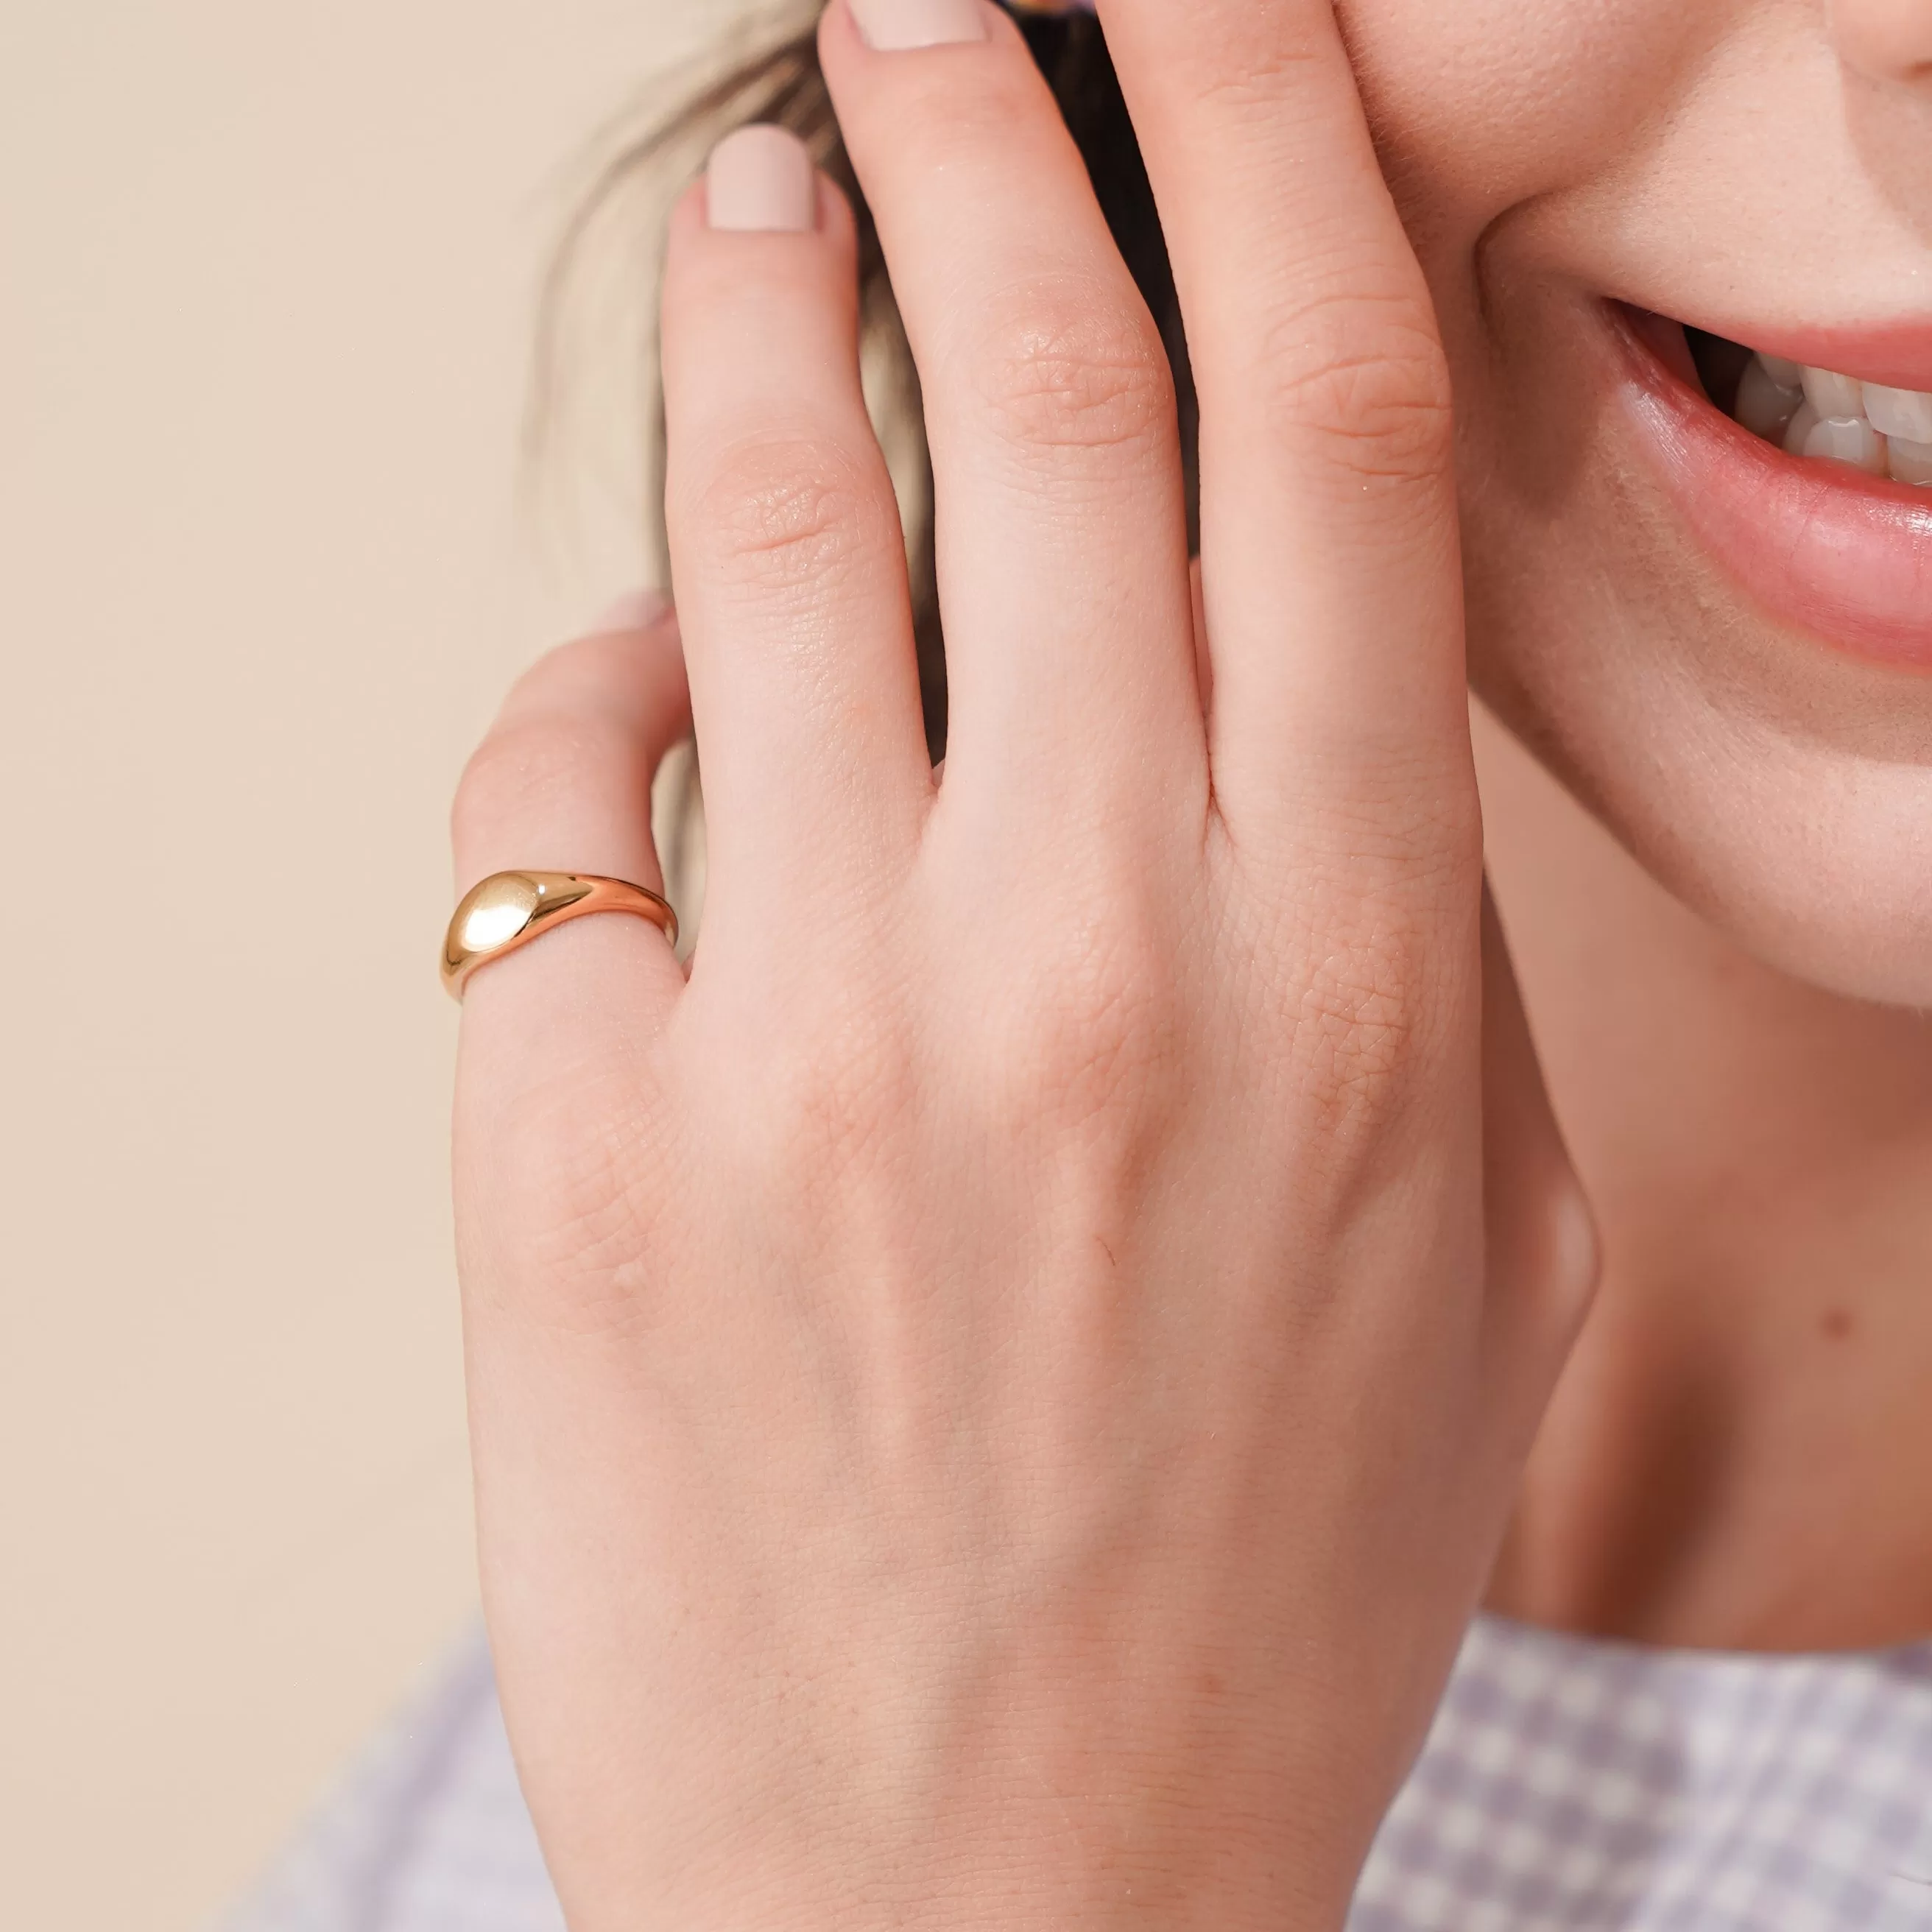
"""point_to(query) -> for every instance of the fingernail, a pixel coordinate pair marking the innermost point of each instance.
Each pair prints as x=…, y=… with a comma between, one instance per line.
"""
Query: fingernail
x=761, y=181
x=894, y=26
x=637, y=611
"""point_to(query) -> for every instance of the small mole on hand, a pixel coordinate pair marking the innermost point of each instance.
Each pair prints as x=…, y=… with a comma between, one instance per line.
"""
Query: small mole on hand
x=1837, y=1323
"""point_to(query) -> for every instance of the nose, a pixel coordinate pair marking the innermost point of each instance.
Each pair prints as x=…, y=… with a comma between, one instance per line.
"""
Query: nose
x=1886, y=40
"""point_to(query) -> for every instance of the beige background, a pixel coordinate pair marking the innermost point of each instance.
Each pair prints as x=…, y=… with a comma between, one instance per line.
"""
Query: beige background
x=266, y=289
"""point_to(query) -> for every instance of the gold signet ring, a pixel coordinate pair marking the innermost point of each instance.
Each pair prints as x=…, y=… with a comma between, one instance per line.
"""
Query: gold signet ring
x=510, y=909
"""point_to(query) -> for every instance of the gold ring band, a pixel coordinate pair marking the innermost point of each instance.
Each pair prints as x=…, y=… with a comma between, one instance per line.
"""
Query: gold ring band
x=508, y=910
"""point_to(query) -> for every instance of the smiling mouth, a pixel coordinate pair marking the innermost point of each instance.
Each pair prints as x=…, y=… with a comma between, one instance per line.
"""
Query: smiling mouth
x=1810, y=495
x=1820, y=415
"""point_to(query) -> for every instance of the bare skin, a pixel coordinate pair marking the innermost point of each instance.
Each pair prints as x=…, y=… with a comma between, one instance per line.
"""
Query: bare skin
x=1727, y=946
x=1739, y=1454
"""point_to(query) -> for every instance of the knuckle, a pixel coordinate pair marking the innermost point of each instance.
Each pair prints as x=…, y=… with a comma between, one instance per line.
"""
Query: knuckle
x=563, y=1187
x=1065, y=366
x=787, y=513
x=1229, y=63
x=1369, y=1015
x=1356, y=1017
x=520, y=771
x=1406, y=826
x=1090, y=1042
x=1238, y=75
x=1366, y=383
x=835, y=1096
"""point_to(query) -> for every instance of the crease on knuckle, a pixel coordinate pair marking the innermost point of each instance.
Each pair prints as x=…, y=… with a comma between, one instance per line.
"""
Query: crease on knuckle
x=1362, y=1026
x=525, y=767
x=836, y=1103
x=1231, y=51
x=1235, y=76
x=1066, y=367
x=574, y=1171
x=1400, y=827
x=1088, y=1044
x=1366, y=383
x=776, y=514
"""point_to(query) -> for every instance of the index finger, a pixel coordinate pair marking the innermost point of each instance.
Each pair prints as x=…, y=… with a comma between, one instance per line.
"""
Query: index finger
x=1330, y=572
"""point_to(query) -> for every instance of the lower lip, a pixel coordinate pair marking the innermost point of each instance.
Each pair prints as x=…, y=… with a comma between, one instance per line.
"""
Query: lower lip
x=1819, y=546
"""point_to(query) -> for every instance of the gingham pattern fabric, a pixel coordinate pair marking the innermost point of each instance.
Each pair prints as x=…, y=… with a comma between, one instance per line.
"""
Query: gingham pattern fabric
x=1572, y=1787
x=1567, y=1786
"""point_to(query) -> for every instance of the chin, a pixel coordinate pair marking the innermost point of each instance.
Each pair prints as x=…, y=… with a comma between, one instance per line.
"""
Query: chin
x=1699, y=553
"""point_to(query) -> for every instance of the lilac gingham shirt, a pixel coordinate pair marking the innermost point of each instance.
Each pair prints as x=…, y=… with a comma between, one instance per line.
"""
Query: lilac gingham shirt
x=1567, y=1786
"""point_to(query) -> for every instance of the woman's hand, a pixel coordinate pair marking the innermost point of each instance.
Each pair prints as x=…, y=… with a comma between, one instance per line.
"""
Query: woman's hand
x=993, y=1403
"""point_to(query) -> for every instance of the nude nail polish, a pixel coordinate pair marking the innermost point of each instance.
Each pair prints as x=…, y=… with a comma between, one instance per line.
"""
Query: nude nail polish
x=637, y=611
x=761, y=181
x=895, y=26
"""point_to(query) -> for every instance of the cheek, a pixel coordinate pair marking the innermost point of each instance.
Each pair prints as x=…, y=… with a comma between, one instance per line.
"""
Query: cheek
x=1479, y=105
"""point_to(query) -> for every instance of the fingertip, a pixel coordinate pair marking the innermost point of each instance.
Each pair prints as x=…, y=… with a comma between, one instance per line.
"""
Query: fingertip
x=761, y=180
x=639, y=609
x=865, y=29
x=752, y=190
x=626, y=668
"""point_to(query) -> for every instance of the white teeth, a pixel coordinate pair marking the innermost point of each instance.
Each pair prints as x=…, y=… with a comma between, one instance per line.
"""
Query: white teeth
x=1834, y=418
x=1845, y=439
x=1763, y=406
x=1911, y=462
x=1832, y=394
x=1900, y=412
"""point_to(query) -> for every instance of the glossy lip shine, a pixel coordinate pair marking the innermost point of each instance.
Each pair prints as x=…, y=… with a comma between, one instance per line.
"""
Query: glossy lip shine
x=1817, y=545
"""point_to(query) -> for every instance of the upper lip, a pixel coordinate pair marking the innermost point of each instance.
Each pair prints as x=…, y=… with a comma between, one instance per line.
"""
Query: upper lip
x=1895, y=354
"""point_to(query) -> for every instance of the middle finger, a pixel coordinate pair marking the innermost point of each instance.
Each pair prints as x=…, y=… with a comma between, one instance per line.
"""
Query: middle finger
x=1061, y=523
